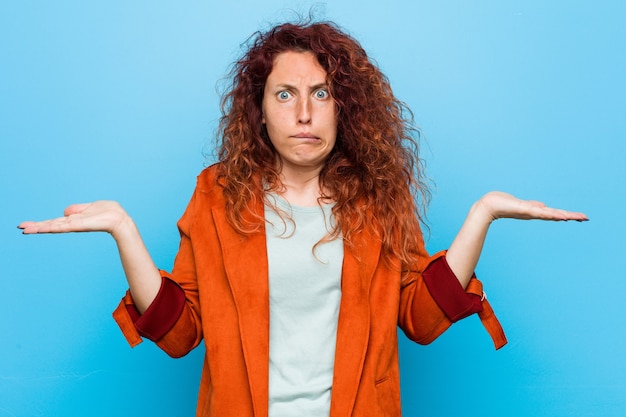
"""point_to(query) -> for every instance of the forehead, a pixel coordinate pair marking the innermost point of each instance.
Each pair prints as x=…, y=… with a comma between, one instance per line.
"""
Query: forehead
x=293, y=67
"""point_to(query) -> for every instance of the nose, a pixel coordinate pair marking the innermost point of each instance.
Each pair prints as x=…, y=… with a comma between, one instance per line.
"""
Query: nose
x=304, y=110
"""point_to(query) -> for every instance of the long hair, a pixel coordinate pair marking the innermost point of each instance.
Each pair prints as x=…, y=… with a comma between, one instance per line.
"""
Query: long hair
x=373, y=173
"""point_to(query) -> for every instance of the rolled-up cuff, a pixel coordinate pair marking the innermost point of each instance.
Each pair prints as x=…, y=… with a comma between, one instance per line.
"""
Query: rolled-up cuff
x=162, y=314
x=448, y=293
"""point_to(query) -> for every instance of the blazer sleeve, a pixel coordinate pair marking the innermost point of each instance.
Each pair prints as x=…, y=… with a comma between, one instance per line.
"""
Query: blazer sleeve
x=430, y=301
x=172, y=321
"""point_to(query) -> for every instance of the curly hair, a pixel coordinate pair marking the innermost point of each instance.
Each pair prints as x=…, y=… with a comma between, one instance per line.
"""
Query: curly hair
x=373, y=173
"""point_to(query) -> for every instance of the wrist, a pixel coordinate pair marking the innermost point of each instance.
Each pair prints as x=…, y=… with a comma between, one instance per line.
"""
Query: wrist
x=124, y=229
x=481, y=212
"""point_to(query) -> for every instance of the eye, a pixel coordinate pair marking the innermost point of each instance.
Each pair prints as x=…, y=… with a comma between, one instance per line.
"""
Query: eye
x=321, y=94
x=284, y=95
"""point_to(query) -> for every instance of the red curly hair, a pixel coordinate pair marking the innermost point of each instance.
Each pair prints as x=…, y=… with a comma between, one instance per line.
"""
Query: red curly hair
x=373, y=173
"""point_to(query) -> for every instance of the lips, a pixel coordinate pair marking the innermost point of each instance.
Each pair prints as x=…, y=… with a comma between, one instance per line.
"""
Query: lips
x=306, y=135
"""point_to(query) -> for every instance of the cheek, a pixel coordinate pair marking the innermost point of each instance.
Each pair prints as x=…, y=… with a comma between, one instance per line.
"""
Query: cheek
x=273, y=129
x=272, y=115
x=333, y=125
x=331, y=116
x=271, y=123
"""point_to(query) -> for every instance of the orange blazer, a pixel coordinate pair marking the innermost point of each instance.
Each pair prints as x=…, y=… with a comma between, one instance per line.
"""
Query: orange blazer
x=224, y=276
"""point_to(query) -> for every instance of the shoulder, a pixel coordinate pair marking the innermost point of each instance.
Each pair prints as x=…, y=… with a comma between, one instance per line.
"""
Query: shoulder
x=206, y=198
x=208, y=179
x=208, y=190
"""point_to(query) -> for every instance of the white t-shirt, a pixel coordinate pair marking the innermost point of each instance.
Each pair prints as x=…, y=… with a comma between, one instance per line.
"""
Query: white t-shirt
x=305, y=293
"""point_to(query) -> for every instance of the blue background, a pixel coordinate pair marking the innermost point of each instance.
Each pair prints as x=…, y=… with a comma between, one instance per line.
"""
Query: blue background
x=117, y=100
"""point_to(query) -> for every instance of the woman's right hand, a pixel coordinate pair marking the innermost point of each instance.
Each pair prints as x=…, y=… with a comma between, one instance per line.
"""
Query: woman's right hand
x=143, y=277
x=99, y=216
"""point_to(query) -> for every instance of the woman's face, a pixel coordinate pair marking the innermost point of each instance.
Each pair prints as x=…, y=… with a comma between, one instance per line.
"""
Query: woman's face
x=299, y=113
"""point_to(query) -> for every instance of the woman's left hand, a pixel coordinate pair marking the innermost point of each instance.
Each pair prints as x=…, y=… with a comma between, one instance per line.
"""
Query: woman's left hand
x=465, y=249
x=498, y=205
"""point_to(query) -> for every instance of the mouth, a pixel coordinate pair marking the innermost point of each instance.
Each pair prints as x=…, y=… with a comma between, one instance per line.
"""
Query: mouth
x=306, y=135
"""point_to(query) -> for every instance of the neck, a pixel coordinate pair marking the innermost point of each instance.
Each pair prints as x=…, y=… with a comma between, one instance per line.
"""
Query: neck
x=301, y=188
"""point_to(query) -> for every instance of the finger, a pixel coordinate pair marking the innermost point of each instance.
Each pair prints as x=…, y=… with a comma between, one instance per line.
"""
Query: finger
x=562, y=215
x=535, y=203
x=581, y=217
x=25, y=224
x=58, y=225
x=30, y=227
x=75, y=208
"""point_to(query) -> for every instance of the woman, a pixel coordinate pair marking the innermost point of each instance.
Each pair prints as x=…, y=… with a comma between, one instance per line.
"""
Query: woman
x=301, y=249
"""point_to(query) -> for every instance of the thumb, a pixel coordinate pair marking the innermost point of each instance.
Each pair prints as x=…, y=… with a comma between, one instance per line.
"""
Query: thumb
x=75, y=208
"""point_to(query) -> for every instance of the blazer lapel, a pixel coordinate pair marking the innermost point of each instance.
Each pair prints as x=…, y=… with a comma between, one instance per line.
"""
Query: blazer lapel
x=245, y=262
x=353, y=327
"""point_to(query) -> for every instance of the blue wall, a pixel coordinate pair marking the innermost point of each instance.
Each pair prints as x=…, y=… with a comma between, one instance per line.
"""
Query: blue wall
x=117, y=100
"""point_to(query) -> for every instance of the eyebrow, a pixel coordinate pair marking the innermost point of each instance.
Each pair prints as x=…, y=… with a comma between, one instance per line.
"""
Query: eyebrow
x=314, y=87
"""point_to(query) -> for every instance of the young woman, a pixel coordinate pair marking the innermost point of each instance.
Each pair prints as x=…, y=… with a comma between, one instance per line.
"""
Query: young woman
x=301, y=248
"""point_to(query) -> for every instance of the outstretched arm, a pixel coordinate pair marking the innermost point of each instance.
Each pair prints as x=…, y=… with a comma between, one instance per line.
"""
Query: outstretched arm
x=465, y=250
x=143, y=277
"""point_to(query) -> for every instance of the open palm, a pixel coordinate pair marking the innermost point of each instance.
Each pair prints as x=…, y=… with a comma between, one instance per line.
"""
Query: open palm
x=99, y=216
x=502, y=205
